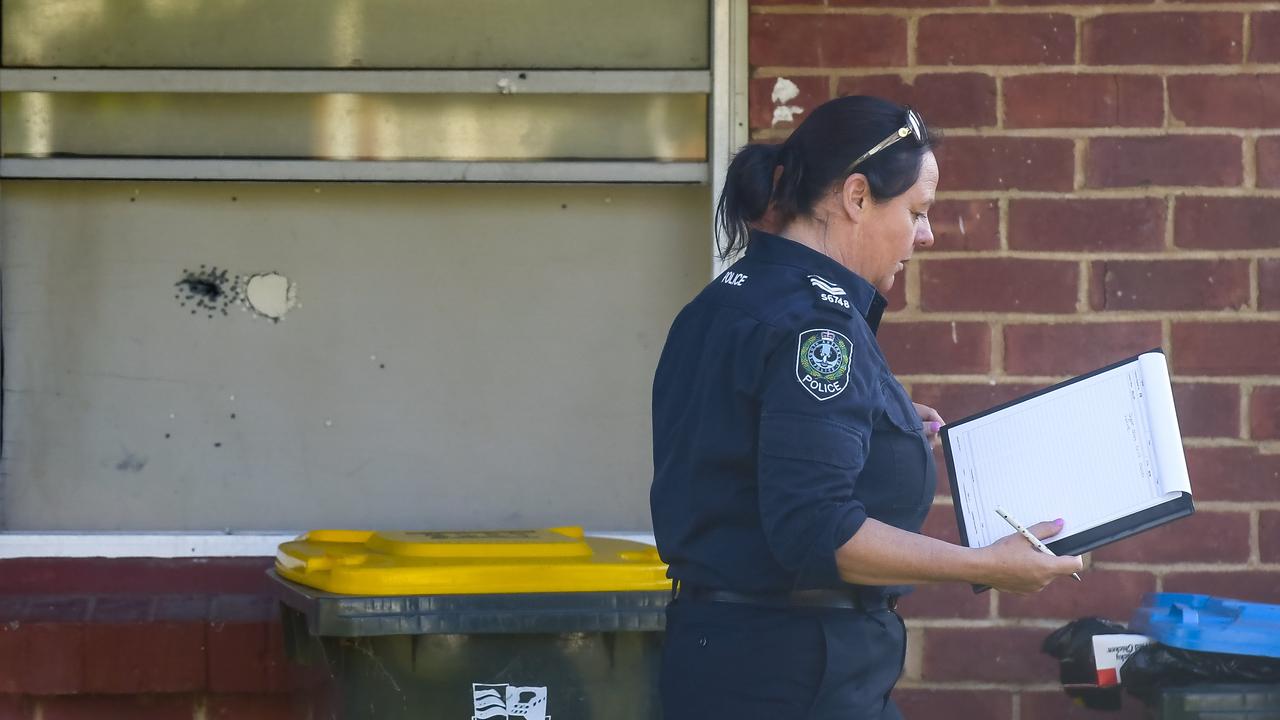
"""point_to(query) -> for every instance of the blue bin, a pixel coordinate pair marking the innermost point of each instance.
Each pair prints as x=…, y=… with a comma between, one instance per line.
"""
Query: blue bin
x=1205, y=623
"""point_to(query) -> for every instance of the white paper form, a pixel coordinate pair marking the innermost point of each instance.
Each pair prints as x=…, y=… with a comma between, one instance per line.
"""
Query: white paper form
x=1166, y=437
x=1085, y=452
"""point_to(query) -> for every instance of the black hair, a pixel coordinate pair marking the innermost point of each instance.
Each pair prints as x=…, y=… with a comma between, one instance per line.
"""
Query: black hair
x=816, y=155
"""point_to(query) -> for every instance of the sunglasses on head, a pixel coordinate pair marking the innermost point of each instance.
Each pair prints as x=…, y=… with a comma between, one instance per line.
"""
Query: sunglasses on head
x=914, y=128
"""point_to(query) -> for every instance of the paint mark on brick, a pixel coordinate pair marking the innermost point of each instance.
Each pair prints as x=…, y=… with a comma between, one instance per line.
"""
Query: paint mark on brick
x=784, y=91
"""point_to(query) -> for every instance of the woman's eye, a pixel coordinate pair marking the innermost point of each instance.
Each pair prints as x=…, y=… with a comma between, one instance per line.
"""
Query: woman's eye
x=920, y=217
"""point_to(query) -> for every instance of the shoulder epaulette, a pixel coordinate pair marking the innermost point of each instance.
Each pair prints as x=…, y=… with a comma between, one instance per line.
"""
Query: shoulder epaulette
x=830, y=296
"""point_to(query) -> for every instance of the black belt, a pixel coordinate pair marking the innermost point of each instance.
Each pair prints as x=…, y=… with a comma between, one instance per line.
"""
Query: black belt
x=851, y=599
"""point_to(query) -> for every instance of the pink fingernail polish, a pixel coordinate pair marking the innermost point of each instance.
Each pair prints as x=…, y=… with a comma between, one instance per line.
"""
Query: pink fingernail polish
x=1059, y=521
x=935, y=426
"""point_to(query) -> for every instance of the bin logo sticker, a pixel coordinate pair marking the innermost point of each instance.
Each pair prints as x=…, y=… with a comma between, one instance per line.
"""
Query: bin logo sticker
x=509, y=701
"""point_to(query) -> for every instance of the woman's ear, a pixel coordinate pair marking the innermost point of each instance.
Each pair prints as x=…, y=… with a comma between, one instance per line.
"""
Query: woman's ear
x=853, y=194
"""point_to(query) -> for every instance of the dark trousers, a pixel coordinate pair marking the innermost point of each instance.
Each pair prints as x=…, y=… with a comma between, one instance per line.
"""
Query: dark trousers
x=734, y=661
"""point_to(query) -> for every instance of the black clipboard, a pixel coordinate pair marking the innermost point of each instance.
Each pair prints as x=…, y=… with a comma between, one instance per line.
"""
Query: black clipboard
x=1105, y=534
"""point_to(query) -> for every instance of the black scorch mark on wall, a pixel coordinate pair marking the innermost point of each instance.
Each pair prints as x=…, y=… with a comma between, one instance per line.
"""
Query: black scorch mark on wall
x=131, y=463
x=207, y=291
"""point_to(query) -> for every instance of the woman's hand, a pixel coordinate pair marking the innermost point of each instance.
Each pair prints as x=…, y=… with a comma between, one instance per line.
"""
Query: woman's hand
x=1016, y=566
x=932, y=422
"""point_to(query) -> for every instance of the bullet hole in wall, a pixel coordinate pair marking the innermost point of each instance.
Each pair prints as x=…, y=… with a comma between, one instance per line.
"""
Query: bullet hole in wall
x=211, y=290
x=271, y=295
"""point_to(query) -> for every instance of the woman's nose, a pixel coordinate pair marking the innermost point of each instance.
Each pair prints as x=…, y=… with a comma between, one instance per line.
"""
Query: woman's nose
x=924, y=235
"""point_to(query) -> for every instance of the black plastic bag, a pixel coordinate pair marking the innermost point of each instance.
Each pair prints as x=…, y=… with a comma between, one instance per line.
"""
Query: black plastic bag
x=1158, y=666
x=1072, y=645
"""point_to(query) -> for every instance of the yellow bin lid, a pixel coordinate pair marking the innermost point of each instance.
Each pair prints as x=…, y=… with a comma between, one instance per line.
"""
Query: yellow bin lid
x=474, y=562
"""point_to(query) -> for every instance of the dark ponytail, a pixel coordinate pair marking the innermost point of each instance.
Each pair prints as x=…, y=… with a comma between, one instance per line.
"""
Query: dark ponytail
x=748, y=186
x=816, y=156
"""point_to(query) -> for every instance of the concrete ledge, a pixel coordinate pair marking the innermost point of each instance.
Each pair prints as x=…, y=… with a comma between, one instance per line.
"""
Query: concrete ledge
x=173, y=544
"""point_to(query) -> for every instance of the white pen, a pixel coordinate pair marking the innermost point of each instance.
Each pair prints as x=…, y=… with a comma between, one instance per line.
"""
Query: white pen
x=1035, y=541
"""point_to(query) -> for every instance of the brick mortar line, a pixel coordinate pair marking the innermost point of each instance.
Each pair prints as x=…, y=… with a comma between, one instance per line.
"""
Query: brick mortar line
x=1219, y=506
x=1254, y=289
x=1002, y=221
x=1171, y=255
x=913, y=667
x=1236, y=505
x=921, y=684
x=1090, y=318
x=913, y=285
x=1246, y=40
x=996, y=361
x=1249, y=146
x=1216, y=506
x=1168, y=568
x=1083, y=135
x=1079, y=161
x=1124, y=193
x=1169, y=217
x=1084, y=281
x=1270, y=380
x=1246, y=393
x=1107, y=131
x=1086, y=12
x=1000, y=103
x=1255, y=545
x=1015, y=70
x=976, y=623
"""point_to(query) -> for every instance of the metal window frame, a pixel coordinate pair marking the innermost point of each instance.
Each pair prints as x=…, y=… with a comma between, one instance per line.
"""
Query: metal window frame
x=729, y=130
x=356, y=81
x=353, y=170
x=726, y=82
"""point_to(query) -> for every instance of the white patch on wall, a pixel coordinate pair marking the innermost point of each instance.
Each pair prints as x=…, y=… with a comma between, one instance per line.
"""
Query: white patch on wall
x=271, y=295
x=784, y=91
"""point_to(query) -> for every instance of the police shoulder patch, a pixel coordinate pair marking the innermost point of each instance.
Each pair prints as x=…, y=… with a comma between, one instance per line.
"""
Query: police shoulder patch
x=822, y=362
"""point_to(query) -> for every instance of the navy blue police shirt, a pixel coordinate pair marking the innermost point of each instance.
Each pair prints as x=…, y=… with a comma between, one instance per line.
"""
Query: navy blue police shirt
x=778, y=428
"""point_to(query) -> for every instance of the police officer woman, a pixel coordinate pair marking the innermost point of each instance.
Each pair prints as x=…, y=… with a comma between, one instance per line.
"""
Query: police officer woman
x=792, y=472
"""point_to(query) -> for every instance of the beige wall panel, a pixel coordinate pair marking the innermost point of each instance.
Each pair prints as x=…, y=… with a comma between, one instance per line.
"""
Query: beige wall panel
x=461, y=356
x=355, y=33
x=345, y=126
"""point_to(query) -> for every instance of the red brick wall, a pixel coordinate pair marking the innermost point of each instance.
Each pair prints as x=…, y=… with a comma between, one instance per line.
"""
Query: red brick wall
x=146, y=639
x=1110, y=183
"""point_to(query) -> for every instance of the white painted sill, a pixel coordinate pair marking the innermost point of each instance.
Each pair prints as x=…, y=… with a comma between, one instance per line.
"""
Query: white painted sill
x=172, y=544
